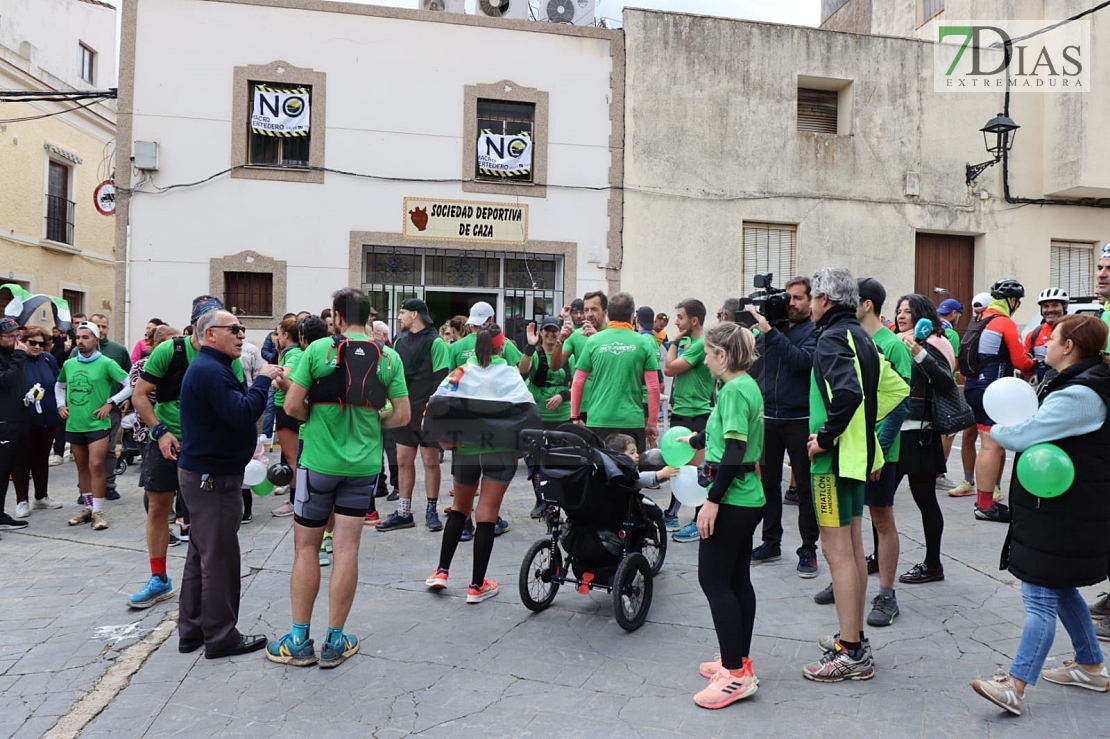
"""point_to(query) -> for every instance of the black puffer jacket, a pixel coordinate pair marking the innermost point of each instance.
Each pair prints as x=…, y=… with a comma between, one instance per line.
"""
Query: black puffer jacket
x=1064, y=542
x=13, y=386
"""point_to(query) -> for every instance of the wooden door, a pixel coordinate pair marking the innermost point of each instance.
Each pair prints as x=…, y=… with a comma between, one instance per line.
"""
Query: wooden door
x=945, y=268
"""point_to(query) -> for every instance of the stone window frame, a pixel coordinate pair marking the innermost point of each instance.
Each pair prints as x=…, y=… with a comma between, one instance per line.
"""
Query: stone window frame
x=510, y=92
x=283, y=73
x=251, y=261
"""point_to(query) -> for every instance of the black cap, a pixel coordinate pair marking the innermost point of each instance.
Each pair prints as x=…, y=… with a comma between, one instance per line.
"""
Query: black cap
x=577, y=304
x=873, y=290
x=646, y=316
x=549, y=321
x=419, y=306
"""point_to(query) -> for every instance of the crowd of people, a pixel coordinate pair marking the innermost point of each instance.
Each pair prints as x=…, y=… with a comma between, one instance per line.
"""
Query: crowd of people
x=848, y=397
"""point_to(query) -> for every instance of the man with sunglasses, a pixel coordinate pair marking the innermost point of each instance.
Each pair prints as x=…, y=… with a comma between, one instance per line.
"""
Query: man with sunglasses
x=162, y=375
x=218, y=424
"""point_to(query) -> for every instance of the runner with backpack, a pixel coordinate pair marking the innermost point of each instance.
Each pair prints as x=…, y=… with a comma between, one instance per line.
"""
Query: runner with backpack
x=991, y=349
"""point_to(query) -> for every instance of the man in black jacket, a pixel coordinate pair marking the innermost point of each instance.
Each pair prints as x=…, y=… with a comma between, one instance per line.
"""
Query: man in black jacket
x=13, y=414
x=787, y=350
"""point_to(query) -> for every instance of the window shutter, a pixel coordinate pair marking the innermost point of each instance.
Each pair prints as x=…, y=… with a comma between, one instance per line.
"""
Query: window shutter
x=768, y=248
x=817, y=110
x=1071, y=268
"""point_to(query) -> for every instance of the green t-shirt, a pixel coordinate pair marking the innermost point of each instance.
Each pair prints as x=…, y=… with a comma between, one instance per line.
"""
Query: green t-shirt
x=289, y=359
x=557, y=381
x=738, y=415
x=895, y=352
x=1105, y=316
x=463, y=349
x=88, y=387
x=573, y=349
x=344, y=441
x=616, y=359
x=158, y=364
x=693, y=388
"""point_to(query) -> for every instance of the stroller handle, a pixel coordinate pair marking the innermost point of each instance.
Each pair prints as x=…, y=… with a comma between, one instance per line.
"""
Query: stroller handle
x=539, y=437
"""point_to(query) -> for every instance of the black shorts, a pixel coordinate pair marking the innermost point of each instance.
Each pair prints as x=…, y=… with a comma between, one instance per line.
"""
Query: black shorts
x=283, y=420
x=637, y=434
x=84, y=438
x=158, y=474
x=694, y=423
x=468, y=469
x=412, y=435
x=880, y=493
x=974, y=398
x=319, y=494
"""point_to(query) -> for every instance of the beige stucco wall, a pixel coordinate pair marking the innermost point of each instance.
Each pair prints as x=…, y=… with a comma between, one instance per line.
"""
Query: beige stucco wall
x=712, y=142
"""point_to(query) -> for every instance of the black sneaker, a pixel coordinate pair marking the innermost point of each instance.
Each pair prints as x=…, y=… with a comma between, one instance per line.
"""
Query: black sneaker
x=174, y=541
x=184, y=535
x=825, y=597
x=538, y=510
x=396, y=521
x=999, y=512
x=247, y=517
x=112, y=495
x=766, y=553
x=7, y=523
x=872, y=564
x=395, y=495
x=790, y=497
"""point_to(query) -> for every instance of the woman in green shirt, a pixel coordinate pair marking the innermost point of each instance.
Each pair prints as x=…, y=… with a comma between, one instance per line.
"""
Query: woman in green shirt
x=733, y=442
x=288, y=428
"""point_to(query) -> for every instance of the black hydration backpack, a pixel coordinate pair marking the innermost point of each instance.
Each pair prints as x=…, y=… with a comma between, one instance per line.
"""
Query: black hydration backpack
x=969, y=346
x=355, y=381
x=168, y=389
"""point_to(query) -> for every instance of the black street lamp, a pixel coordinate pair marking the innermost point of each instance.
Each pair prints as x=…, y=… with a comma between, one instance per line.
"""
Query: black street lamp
x=1003, y=129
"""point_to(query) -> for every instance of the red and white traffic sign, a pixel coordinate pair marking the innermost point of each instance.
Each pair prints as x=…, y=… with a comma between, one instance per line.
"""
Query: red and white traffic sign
x=104, y=198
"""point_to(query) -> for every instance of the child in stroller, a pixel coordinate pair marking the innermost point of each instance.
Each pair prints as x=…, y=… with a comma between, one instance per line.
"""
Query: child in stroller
x=626, y=445
x=613, y=535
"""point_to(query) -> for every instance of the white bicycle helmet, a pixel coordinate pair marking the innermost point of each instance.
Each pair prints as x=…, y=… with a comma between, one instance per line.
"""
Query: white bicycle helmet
x=1053, y=293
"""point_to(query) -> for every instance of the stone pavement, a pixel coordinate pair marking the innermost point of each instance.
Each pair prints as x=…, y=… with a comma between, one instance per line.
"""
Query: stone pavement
x=433, y=666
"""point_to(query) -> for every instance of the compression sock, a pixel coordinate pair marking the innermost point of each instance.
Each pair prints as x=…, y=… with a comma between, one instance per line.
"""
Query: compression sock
x=98, y=504
x=483, y=548
x=985, y=499
x=158, y=567
x=404, y=506
x=334, y=639
x=87, y=499
x=452, y=532
x=300, y=632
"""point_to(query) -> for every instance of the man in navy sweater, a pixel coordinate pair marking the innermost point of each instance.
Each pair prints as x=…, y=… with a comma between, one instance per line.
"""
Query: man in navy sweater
x=218, y=416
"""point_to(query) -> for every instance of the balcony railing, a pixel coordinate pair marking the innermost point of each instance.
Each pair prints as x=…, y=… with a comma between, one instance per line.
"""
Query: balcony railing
x=59, y=219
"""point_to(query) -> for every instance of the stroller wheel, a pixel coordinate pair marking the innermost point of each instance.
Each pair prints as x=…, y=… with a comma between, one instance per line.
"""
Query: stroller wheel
x=653, y=545
x=539, y=573
x=632, y=591
x=121, y=465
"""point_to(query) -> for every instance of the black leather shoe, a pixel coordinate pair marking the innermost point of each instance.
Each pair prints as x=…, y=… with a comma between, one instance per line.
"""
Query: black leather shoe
x=922, y=574
x=245, y=645
x=188, y=646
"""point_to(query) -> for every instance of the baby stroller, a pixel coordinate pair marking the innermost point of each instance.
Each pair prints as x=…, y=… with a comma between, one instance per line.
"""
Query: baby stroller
x=131, y=447
x=613, y=535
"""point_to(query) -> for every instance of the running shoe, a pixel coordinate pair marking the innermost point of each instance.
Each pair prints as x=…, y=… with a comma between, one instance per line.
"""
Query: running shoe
x=286, y=652
x=500, y=527
x=884, y=609
x=726, y=688
x=54, y=460
x=944, y=483
x=155, y=591
x=837, y=665
x=825, y=597
x=709, y=669
x=963, y=490
x=183, y=534
x=437, y=580
x=997, y=493
x=372, y=519
x=790, y=497
x=174, y=541
x=1070, y=673
x=431, y=519
x=766, y=553
x=807, y=564
x=872, y=564
x=7, y=523
x=468, y=531
x=537, y=511
x=999, y=512
x=395, y=495
x=283, y=510
x=1101, y=607
x=22, y=509
x=1001, y=691
x=670, y=523
x=47, y=502
x=687, y=533
x=1102, y=629
x=248, y=516
x=98, y=522
x=827, y=644
x=476, y=594
x=324, y=559
x=333, y=657
x=396, y=521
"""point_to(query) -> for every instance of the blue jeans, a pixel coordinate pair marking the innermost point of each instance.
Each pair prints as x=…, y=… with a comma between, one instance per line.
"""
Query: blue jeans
x=268, y=415
x=1042, y=606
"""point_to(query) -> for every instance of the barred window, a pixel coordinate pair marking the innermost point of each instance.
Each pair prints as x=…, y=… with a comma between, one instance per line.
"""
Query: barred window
x=769, y=247
x=503, y=128
x=249, y=293
x=1072, y=268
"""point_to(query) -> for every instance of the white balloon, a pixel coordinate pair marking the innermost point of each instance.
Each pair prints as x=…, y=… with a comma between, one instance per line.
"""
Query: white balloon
x=254, y=473
x=685, y=486
x=1010, y=401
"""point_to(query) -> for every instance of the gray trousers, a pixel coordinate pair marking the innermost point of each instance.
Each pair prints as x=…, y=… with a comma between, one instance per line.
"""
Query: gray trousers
x=209, y=601
x=110, y=455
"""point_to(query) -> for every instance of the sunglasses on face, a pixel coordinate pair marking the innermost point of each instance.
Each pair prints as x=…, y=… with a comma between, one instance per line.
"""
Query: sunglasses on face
x=32, y=342
x=234, y=328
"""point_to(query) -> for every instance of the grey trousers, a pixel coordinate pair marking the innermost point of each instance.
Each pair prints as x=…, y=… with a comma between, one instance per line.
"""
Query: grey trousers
x=209, y=601
x=110, y=455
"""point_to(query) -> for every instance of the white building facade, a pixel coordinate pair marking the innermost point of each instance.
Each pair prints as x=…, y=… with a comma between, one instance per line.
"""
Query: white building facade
x=414, y=154
x=754, y=148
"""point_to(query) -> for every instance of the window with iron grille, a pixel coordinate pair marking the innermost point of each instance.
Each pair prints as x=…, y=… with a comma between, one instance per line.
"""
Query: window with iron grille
x=278, y=149
x=817, y=110
x=75, y=299
x=506, y=119
x=249, y=293
x=768, y=247
x=1072, y=268
x=59, y=206
x=86, y=64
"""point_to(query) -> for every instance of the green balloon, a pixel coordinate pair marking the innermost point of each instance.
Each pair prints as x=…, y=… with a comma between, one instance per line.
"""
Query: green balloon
x=676, y=453
x=263, y=488
x=1045, y=470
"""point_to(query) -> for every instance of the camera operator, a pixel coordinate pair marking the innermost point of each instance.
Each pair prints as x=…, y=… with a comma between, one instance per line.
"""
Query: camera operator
x=787, y=352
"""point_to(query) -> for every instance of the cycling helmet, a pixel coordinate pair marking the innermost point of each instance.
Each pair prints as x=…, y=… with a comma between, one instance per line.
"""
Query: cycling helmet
x=1007, y=289
x=1053, y=293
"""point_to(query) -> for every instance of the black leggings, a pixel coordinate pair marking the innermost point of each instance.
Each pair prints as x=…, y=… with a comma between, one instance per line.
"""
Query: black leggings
x=924, y=490
x=724, y=572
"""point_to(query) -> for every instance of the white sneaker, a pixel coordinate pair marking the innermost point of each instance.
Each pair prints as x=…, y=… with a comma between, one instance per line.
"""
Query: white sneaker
x=54, y=460
x=46, y=502
x=22, y=510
